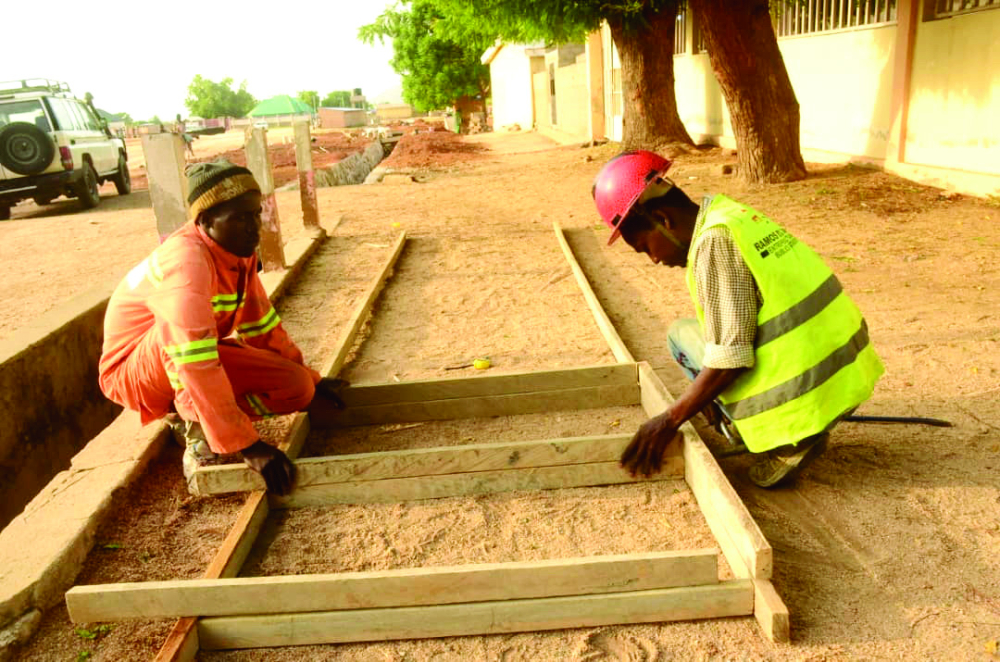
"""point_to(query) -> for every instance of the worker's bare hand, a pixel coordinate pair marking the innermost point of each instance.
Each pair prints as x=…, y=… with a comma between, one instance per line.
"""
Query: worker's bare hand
x=644, y=454
x=329, y=389
x=272, y=464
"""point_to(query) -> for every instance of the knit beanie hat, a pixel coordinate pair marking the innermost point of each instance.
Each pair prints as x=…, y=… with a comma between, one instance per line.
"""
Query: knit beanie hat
x=210, y=184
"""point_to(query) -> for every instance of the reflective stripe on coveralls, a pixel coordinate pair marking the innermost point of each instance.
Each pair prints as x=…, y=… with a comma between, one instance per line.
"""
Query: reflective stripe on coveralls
x=813, y=358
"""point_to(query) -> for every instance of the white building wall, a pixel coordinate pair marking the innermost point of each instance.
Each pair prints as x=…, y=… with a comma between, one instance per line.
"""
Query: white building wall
x=510, y=85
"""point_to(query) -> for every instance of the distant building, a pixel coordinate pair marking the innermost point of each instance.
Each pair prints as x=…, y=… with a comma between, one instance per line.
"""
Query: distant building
x=389, y=112
x=342, y=118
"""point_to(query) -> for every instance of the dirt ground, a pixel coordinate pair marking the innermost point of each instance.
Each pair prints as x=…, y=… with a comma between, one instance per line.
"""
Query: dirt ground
x=887, y=548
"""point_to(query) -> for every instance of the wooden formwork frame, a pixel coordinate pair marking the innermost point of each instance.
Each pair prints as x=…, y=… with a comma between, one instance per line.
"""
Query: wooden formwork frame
x=469, y=599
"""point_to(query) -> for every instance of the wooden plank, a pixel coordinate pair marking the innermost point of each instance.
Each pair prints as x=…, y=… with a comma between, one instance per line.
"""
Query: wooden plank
x=770, y=611
x=467, y=387
x=731, y=598
x=181, y=645
x=346, y=340
x=463, y=484
x=424, y=462
x=514, y=404
x=744, y=546
x=618, y=348
x=393, y=588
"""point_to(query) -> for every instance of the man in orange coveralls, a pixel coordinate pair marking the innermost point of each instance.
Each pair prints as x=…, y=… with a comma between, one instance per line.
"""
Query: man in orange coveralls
x=190, y=330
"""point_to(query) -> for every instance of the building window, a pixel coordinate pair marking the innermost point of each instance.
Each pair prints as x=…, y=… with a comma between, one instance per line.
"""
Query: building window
x=793, y=17
x=680, y=29
x=700, y=45
x=935, y=9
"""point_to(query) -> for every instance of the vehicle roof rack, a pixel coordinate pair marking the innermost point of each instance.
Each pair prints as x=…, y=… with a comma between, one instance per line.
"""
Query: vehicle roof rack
x=34, y=85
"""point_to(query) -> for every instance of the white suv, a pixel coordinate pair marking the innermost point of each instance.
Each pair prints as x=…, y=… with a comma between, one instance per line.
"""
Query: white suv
x=53, y=144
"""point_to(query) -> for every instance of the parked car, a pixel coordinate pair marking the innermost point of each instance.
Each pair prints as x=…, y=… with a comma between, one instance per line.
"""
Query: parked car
x=53, y=144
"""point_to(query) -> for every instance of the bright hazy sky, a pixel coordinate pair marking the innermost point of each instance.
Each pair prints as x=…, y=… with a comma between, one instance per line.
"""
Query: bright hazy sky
x=138, y=57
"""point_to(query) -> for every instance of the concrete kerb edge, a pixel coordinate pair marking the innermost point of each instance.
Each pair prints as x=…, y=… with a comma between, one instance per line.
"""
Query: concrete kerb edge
x=24, y=597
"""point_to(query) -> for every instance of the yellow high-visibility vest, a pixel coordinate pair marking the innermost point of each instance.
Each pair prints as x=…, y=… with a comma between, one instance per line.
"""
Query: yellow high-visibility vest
x=814, y=361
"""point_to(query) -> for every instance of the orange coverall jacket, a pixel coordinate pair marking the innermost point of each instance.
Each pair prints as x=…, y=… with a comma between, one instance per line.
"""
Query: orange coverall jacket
x=171, y=311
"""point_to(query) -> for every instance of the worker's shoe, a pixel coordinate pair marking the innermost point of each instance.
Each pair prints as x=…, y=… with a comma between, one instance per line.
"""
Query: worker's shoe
x=782, y=465
x=197, y=452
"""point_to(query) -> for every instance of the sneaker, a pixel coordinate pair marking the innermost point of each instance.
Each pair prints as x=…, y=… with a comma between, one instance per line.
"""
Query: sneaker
x=782, y=465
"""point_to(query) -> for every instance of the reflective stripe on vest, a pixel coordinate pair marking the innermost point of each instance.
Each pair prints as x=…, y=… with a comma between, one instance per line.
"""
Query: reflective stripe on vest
x=813, y=357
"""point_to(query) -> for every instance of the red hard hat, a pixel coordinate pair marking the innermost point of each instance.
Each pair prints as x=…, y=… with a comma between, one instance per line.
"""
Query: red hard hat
x=621, y=182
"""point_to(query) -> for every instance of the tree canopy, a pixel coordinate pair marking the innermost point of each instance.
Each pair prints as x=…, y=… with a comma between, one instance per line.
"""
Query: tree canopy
x=439, y=63
x=337, y=99
x=309, y=97
x=209, y=99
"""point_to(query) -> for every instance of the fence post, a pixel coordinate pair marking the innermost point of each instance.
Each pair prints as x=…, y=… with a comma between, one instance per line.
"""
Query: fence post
x=272, y=252
x=164, y=155
x=307, y=178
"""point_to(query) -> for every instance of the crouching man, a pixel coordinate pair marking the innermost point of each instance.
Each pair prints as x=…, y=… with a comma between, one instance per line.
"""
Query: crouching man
x=190, y=334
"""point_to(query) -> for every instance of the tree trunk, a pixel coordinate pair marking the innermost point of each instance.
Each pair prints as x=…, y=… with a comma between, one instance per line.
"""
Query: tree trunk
x=762, y=104
x=647, y=56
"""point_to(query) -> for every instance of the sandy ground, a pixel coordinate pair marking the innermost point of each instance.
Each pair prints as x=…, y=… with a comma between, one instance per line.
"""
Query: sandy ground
x=887, y=548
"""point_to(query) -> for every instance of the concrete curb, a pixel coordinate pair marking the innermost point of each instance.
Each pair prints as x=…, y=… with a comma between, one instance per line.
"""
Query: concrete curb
x=60, y=523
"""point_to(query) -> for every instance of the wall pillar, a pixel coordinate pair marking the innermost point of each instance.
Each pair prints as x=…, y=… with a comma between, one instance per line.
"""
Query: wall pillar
x=907, y=16
x=272, y=252
x=307, y=178
x=595, y=84
x=164, y=155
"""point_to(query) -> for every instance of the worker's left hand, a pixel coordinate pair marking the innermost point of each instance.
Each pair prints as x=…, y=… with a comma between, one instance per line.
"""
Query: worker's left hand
x=272, y=464
x=329, y=389
x=644, y=454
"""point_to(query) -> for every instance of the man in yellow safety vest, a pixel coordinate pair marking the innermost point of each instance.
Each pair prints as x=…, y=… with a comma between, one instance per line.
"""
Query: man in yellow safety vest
x=777, y=344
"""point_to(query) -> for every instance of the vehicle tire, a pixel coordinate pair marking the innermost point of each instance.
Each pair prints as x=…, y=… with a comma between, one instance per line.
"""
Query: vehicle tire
x=122, y=179
x=86, y=189
x=4, y=213
x=25, y=149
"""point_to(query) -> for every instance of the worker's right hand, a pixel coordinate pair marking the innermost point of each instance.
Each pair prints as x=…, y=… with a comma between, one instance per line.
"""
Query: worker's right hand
x=272, y=464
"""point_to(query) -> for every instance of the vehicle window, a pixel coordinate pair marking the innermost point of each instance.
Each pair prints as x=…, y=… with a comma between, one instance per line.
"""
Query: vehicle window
x=65, y=117
x=81, y=116
x=30, y=111
x=90, y=118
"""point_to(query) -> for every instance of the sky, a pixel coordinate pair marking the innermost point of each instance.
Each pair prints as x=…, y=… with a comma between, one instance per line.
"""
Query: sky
x=139, y=57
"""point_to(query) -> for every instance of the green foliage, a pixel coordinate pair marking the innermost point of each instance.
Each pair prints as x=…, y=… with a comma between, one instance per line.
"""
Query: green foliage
x=91, y=635
x=83, y=656
x=337, y=99
x=309, y=97
x=210, y=99
x=552, y=21
x=437, y=59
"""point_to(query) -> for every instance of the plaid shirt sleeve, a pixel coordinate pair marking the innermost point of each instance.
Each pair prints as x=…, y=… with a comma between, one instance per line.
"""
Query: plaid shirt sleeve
x=730, y=298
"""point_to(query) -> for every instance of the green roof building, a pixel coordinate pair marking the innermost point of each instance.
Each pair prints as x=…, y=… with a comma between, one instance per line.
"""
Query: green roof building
x=281, y=105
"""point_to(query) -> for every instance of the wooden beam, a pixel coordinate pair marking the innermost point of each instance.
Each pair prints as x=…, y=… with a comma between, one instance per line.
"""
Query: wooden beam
x=181, y=645
x=489, y=385
x=485, y=406
x=744, y=546
x=346, y=340
x=770, y=611
x=618, y=348
x=731, y=598
x=393, y=588
x=424, y=462
x=464, y=484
